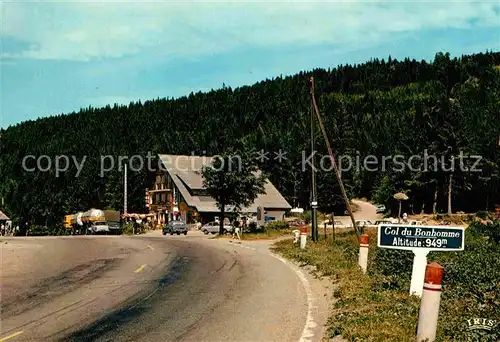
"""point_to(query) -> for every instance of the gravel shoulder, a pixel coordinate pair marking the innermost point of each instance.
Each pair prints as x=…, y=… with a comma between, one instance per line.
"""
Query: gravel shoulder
x=316, y=289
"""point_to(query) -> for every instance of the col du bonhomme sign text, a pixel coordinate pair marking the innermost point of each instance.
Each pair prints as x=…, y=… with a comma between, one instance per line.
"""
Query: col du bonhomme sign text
x=421, y=237
x=420, y=240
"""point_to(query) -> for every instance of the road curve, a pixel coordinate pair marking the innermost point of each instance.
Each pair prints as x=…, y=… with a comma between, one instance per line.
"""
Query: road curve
x=366, y=211
x=148, y=288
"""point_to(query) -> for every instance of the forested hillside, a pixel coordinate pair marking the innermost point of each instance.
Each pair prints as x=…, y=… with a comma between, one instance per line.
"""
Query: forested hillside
x=380, y=108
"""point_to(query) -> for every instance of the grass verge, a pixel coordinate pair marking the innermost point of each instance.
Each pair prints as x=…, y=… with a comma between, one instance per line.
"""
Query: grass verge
x=377, y=307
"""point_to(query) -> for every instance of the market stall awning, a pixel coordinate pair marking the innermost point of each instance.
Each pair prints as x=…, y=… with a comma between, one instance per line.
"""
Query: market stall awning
x=3, y=217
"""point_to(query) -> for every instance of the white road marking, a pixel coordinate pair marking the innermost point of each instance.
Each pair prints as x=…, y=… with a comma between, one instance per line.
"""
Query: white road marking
x=11, y=336
x=140, y=268
x=308, y=332
x=151, y=247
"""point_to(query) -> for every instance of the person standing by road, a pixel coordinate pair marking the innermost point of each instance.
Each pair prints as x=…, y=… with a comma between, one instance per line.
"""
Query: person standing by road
x=236, y=229
x=237, y=232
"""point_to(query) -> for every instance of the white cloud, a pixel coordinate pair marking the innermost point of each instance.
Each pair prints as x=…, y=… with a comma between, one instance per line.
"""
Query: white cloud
x=91, y=30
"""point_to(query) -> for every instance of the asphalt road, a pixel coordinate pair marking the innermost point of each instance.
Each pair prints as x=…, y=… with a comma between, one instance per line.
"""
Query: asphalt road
x=150, y=288
x=366, y=211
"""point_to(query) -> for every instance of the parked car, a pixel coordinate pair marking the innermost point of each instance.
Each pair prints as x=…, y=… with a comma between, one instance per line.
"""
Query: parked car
x=175, y=227
x=416, y=223
x=298, y=223
x=380, y=209
x=214, y=226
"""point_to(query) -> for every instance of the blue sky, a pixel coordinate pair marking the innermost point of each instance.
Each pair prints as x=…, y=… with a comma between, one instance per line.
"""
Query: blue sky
x=58, y=57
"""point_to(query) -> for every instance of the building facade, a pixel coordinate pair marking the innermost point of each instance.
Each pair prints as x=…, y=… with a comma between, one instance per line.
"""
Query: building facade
x=178, y=193
x=159, y=198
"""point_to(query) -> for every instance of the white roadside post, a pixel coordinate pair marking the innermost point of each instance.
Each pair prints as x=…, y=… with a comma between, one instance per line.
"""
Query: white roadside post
x=363, y=252
x=418, y=271
x=296, y=236
x=429, y=306
x=303, y=237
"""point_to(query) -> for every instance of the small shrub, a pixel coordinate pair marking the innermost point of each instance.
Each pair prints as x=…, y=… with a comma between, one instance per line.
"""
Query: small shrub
x=128, y=229
x=40, y=230
x=306, y=216
x=482, y=214
x=253, y=227
x=277, y=225
x=393, y=266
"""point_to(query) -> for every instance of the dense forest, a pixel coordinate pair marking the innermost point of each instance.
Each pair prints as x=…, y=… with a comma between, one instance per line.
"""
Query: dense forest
x=381, y=108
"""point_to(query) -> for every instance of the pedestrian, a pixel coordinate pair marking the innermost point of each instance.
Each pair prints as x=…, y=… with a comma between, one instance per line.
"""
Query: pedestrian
x=237, y=232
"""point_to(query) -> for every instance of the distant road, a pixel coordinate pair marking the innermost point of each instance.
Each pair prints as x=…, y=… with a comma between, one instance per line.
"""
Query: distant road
x=367, y=211
x=148, y=288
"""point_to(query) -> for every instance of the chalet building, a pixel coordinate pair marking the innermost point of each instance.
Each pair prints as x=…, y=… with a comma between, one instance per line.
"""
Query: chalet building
x=178, y=193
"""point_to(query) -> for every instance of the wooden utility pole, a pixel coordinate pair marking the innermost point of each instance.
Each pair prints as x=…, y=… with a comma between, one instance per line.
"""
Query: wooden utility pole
x=333, y=226
x=332, y=157
x=314, y=203
x=125, y=191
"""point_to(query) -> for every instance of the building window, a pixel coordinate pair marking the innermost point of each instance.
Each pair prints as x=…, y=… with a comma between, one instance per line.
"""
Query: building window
x=163, y=198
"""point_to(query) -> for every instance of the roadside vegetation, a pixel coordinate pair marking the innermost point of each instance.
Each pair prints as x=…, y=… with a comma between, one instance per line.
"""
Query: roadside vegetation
x=377, y=306
x=128, y=229
x=271, y=231
x=41, y=230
